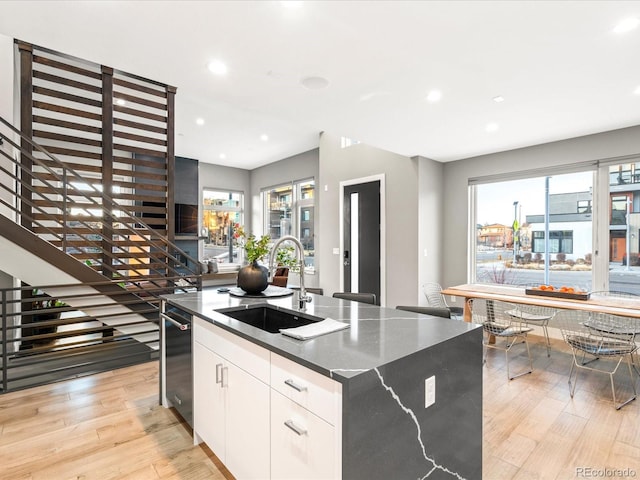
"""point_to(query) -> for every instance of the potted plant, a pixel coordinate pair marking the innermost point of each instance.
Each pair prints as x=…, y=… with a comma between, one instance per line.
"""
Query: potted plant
x=52, y=307
x=252, y=278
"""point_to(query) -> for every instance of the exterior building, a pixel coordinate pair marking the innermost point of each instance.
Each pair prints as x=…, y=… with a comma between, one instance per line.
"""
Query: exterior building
x=495, y=235
x=570, y=219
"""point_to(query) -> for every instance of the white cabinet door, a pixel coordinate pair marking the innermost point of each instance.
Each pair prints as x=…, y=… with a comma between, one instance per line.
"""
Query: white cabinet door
x=302, y=444
x=248, y=453
x=209, y=399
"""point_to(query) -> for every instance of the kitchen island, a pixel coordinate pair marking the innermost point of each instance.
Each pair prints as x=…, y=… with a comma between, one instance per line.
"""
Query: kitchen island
x=349, y=404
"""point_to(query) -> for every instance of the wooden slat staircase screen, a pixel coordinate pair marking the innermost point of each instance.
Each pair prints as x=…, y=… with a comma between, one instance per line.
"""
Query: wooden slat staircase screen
x=116, y=130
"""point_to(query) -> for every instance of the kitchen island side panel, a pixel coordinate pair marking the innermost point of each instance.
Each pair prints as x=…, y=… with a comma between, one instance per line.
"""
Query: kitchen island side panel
x=388, y=432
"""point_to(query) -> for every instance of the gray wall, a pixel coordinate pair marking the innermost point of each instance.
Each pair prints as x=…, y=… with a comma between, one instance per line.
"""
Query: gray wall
x=430, y=220
x=291, y=169
x=401, y=179
x=225, y=178
x=598, y=146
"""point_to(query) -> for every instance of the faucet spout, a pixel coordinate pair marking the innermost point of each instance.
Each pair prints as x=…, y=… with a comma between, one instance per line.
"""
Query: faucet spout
x=304, y=298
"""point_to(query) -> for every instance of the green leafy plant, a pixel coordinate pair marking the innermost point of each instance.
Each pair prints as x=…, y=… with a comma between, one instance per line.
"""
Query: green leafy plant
x=45, y=301
x=285, y=256
x=255, y=248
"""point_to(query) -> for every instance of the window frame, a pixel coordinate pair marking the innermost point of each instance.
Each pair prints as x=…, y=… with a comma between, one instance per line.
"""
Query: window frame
x=296, y=206
x=223, y=208
x=599, y=206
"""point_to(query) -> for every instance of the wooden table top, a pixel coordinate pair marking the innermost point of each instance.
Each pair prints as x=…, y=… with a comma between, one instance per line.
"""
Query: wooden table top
x=628, y=307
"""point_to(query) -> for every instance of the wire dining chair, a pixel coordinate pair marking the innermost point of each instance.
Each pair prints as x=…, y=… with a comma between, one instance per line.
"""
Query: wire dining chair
x=508, y=330
x=603, y=337
x=435, y=298
x=535, y=315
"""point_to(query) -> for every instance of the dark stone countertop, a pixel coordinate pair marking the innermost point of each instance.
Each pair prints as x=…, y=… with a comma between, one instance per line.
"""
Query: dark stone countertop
x=376, y=336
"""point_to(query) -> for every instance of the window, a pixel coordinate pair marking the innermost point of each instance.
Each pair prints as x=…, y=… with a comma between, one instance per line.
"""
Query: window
x=618, y=210
x=559, y=242
x=221, y=211
x=510, y=233
x=624, y=225
x=584, y=206
x=289, y=210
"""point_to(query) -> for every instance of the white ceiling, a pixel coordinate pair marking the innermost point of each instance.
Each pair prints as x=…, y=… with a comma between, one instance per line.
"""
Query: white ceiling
x=559, y=66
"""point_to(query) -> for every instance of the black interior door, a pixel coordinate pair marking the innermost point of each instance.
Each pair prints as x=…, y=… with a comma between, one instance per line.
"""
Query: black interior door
x=361, y=255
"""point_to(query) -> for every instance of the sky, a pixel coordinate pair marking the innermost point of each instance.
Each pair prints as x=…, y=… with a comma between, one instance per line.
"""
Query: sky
x=495, y=200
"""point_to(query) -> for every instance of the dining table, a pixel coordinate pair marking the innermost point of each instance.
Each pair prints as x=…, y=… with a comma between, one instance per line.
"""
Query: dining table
x=622, y=306
x=614, y=305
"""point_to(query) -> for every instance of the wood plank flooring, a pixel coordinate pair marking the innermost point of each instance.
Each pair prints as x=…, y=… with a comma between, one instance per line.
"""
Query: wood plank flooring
x=104, y=426
x=110, y=426
x=533, y=429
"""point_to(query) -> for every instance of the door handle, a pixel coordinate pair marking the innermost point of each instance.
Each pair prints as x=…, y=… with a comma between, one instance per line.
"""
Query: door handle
x=346, y=262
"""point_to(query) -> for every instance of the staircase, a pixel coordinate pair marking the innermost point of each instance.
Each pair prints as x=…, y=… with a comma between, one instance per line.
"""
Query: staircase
x=72, y=240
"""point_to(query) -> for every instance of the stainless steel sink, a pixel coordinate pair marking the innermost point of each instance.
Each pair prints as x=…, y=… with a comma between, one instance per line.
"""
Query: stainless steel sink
x=268, y=318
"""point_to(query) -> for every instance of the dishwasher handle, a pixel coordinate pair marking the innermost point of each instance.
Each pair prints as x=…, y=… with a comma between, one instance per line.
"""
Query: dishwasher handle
x=181, y=326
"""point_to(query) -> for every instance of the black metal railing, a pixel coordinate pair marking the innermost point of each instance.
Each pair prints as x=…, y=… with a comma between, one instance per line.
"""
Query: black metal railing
x=54, y=332
x=75, y=330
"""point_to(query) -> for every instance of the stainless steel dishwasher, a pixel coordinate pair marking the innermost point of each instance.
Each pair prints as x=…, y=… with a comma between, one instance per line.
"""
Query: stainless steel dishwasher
x=178, y=360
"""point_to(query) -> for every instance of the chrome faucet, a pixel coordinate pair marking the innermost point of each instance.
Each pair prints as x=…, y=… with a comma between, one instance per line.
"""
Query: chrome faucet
x=304, y=298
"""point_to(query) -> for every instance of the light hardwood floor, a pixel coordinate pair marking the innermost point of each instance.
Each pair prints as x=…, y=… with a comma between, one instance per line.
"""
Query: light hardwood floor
x=105, y=426
x=533, y=429
x=110, y=426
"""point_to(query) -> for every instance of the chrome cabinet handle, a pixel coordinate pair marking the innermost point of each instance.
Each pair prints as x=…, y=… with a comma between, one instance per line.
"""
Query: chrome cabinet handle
x=224, y=378
x=219, y=373
x=295, y=428
x=293, y=385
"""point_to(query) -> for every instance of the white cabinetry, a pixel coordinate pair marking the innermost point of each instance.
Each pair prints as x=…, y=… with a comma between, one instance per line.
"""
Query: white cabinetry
x=263, y=415
x=209, y=399
x=306, y=410
x=302, y=444
x=231, y=400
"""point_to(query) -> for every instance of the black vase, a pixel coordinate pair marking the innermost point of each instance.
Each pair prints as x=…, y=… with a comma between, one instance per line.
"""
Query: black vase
x=253, y=278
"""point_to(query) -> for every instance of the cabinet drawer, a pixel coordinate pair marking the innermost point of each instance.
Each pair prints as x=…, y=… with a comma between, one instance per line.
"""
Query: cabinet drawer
x=248, y=356
x=314, y=391
x=302, y=444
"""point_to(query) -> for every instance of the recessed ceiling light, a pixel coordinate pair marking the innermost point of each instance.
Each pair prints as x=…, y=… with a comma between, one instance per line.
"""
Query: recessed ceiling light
x=314, y=83
x=498, y=99
x=217, y=67
x=222, y=156
x=434, y=96
x=121, y=101
x=492, y=127
x=200, y=121
x=626, y=25
x=637, y=90
x=264, y=137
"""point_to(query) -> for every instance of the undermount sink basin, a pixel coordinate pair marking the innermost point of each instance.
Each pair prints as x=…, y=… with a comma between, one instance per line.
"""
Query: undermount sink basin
x=270, y=319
